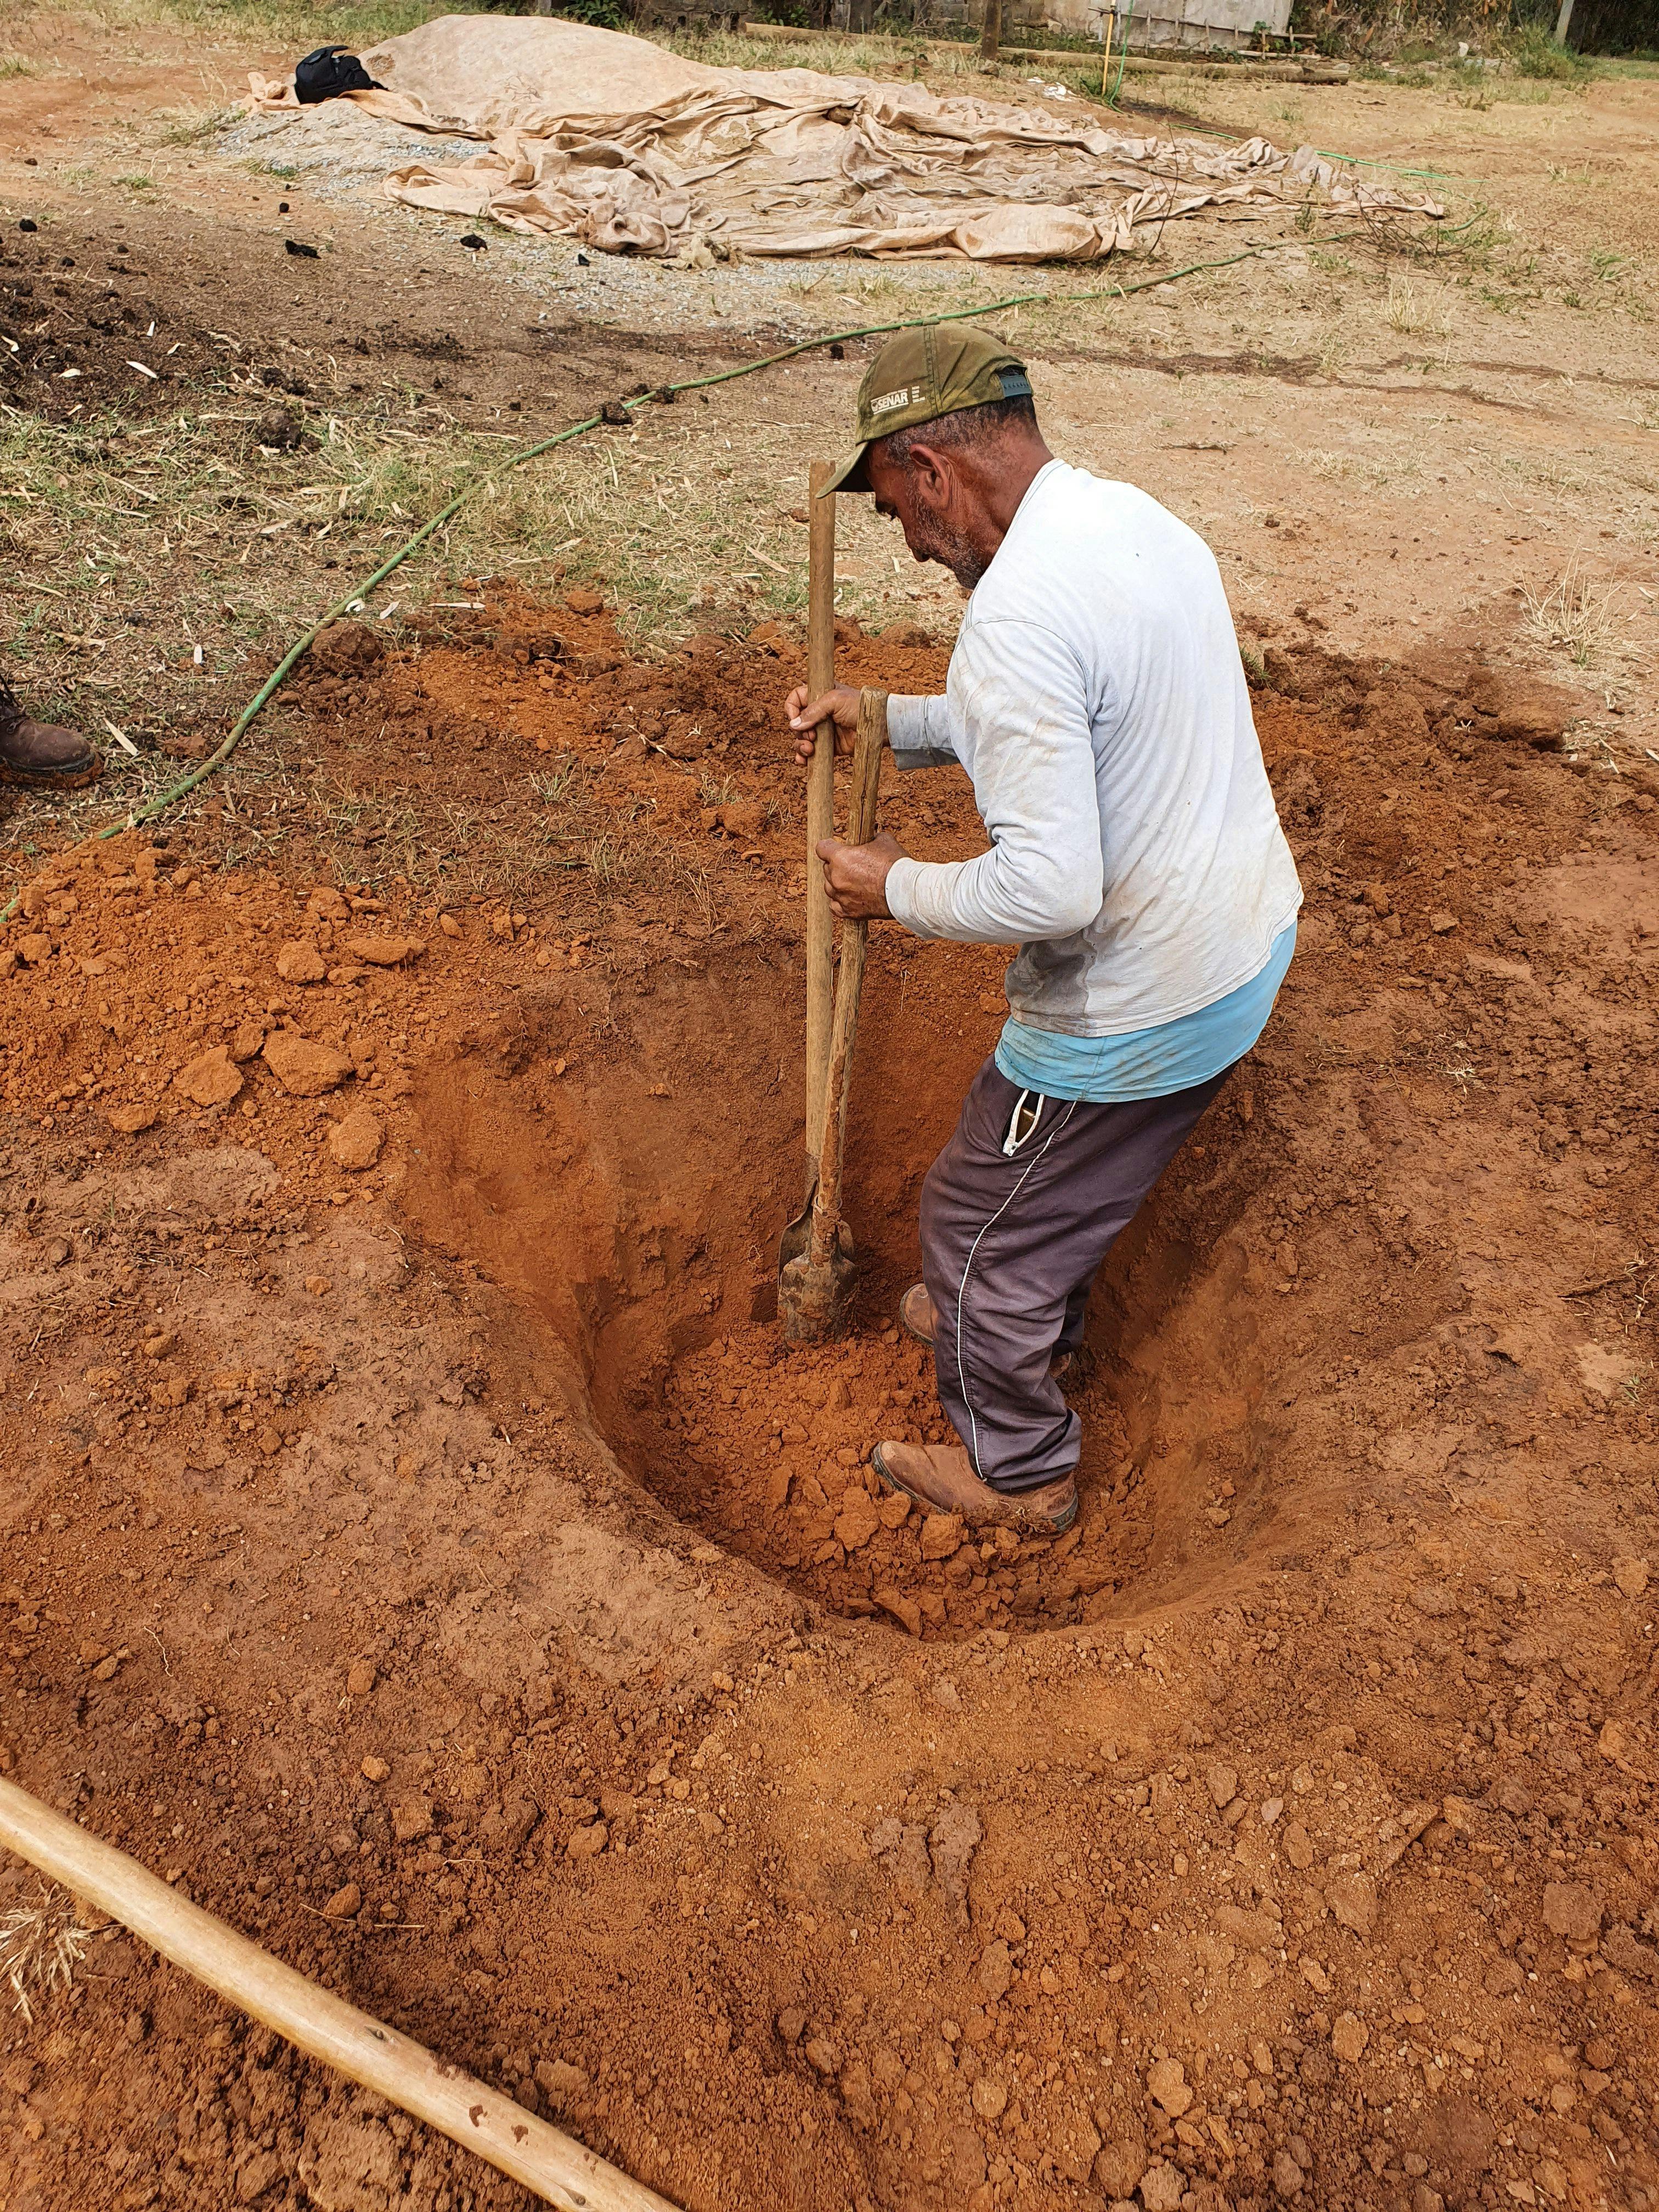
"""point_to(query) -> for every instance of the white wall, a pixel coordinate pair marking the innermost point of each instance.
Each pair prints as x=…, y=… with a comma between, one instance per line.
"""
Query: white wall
x=1169, y=22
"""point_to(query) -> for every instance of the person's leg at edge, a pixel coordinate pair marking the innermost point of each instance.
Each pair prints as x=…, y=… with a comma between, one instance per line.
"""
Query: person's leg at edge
x=1011, y=1244
x=41, y=752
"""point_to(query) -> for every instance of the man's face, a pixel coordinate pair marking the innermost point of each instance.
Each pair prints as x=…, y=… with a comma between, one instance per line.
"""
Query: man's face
x=923, y=496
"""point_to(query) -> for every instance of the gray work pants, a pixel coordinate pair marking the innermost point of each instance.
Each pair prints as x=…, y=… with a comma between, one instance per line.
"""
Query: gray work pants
x=1011, y=1241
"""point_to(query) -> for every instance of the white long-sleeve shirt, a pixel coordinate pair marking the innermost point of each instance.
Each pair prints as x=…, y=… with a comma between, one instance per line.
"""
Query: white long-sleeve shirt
x=1097, y=700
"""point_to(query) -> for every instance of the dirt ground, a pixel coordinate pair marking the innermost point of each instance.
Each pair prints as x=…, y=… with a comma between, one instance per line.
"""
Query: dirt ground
x=417, y=1544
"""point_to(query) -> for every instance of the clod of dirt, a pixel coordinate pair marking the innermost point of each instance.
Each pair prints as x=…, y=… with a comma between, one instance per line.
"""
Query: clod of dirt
x=1288, y=2177
x=1458, y=2135
x=560, y=2082
x=299, y=961
x=344, y=647
x=280, y=429
x=1119, y=2167
x=385, y=951
x=1167, y=2086
x=1163, y=2188
x=212, y=1078
x=1503, y=704
x=303, y=1067
x=354, y=1142
x=1352, y=1899
x=351, y=2165
x=411, y=1819
x=1572, y=1912
x=257, y=2174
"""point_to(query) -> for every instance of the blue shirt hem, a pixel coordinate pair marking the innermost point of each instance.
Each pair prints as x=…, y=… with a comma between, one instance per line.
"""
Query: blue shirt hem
x=1153, y=1063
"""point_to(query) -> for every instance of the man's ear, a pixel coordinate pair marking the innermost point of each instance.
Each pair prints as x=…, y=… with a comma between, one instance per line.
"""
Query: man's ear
x=931, y=474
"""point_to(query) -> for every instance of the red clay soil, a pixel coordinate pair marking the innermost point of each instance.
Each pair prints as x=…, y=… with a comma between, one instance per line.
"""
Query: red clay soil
x=420, y=1547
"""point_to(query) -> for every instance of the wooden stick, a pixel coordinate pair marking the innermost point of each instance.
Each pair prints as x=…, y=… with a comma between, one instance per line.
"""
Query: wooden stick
x=860, y=828
x=820, y=802
x=316, y=2021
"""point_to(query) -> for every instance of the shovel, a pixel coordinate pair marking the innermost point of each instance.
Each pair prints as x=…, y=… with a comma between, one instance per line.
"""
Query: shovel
x=820, y=824
x=815, y=1284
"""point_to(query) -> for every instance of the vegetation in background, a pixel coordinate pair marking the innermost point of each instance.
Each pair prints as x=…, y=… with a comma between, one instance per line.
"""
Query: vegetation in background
x=603, y=15
x=1521, y=33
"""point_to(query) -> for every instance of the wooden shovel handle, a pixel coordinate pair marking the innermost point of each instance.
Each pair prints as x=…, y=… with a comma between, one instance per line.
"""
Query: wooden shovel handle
x=820, y=802
x=860, y=828
x=867, y=748
x=481, y=2119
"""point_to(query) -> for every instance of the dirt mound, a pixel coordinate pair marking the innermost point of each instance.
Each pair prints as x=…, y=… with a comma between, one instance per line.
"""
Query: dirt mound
x=438, y=1568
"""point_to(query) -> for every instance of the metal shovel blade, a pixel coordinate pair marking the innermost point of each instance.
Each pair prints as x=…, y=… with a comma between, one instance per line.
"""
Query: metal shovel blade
x=813, y=1296
x=797, y=1234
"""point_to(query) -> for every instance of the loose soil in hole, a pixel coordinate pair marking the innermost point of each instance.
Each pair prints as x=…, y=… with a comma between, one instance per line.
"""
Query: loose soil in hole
x=392, y=1558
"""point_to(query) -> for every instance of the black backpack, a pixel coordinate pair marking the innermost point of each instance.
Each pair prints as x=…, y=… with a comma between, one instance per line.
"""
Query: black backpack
x=328, y=72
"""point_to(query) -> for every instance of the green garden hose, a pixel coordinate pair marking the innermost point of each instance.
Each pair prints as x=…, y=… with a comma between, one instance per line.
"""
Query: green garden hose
x=1123, y=53
x=216, y=759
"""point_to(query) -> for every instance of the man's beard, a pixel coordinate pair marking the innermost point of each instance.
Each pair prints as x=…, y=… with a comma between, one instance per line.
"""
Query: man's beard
x=952, y=549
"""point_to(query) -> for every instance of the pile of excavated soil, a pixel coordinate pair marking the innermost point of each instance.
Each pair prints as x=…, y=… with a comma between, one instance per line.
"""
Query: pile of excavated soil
x=419, y=1548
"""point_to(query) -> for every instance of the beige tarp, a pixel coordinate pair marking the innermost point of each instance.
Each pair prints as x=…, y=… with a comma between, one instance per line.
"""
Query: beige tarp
x=629, y=149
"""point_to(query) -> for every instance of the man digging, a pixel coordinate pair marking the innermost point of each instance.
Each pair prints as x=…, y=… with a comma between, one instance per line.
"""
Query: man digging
x=1097, y=701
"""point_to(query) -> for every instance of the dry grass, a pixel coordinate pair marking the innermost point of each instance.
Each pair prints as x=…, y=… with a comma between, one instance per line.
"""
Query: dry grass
x=140, y=541
x=1416, y=312
x=41, y=1947
x=1575, y=611
x=947, y=68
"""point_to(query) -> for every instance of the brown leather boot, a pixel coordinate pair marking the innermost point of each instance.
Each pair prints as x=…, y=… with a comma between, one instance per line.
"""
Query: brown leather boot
x=918, y=1319
x=42, y=752
x=940, y=1478
x=916, y=1314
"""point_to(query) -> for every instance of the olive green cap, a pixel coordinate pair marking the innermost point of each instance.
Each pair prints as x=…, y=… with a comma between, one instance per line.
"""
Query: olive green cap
x=923, y=374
